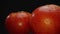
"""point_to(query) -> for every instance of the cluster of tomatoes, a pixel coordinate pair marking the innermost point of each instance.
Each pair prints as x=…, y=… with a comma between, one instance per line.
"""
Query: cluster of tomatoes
x=43, y=20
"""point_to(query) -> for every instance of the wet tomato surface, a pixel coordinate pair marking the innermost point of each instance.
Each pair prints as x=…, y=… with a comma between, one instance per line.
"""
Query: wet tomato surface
x=18, y=23
x=45, y=19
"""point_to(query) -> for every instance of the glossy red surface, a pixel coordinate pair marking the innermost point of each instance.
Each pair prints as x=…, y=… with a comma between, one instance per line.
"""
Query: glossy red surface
x=18, y=23
x=46, y=20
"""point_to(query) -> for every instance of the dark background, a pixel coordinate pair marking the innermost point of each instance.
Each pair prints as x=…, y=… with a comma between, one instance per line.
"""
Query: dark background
x=19, y=5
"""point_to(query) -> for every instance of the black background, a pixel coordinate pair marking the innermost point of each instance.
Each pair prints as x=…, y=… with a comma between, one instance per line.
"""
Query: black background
x=19, y=5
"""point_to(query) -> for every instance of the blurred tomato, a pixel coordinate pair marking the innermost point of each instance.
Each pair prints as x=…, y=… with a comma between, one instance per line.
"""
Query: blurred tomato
x=18, y=23
x=45, y=19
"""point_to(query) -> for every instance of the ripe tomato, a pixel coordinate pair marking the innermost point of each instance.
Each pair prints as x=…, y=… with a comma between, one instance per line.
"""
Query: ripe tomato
x=18, y=23
x=45, y=19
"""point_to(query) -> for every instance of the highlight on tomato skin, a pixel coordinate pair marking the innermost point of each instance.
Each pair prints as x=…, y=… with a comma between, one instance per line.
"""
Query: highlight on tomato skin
x=18, y=23
x=45, y=19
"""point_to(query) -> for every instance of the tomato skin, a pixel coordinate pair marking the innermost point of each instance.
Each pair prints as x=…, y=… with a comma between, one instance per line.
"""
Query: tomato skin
x=18, y=23
x=45, y=20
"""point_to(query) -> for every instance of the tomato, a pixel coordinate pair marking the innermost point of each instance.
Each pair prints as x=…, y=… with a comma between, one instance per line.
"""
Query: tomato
x=45, y=19
x=18, y=23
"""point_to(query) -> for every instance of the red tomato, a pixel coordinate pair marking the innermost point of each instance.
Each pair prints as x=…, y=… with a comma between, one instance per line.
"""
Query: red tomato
x=45, y=19
x=18, y=23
